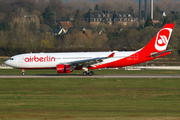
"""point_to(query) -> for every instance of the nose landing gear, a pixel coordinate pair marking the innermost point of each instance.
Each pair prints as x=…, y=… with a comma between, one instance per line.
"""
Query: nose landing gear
x=23, y=72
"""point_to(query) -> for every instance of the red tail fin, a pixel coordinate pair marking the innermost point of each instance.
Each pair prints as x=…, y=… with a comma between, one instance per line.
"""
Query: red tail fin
x=160, y=41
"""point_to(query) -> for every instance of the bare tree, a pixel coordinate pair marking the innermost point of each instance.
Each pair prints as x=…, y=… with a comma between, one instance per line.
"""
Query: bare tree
x=167, y=5
x=83, y=5
x=57, y=8
x=121, y=5
x=42, y=4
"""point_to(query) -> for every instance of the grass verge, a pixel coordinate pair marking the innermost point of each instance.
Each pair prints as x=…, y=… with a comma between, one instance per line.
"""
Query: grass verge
x=90, y=98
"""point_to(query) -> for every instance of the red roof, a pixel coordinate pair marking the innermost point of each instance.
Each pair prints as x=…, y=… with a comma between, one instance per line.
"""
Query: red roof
x=155, y=21
x=66, y=24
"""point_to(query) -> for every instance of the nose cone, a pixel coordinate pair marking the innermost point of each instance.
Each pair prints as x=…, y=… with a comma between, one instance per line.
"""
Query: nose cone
x=6, y=62
x=9, y=63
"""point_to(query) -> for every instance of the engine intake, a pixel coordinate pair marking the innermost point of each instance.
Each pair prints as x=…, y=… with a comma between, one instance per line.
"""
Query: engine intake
x=61, y=68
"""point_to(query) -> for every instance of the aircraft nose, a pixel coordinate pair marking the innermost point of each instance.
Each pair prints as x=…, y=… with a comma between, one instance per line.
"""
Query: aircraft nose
x=6, y=62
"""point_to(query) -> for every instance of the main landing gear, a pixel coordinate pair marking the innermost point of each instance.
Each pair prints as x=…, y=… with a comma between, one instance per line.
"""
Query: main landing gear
x=90, y=73
x=87, y=72
x=23, y=72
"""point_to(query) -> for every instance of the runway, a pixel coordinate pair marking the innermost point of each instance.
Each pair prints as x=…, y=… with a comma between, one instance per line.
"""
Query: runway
x=94, y=76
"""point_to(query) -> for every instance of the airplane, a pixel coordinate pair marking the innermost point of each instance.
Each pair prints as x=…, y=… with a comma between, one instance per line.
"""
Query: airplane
x=67, y=62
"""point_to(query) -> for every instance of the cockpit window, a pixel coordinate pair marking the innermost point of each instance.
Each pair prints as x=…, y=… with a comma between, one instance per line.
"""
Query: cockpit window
x=11, y=58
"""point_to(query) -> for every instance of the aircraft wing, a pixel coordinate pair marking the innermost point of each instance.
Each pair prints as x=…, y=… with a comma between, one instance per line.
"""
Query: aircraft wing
x=89, y=62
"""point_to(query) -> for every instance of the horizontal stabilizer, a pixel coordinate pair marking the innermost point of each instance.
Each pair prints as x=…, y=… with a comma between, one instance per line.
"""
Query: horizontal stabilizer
x=156, y=54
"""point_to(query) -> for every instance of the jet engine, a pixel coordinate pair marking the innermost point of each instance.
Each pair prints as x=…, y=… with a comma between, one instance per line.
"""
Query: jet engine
x=61, y=68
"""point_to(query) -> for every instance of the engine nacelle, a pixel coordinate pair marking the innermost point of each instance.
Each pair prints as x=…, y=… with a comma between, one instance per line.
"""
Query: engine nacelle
x=61, y=68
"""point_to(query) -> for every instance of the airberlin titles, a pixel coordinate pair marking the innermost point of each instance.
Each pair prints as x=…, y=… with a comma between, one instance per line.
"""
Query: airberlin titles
x=39, y=59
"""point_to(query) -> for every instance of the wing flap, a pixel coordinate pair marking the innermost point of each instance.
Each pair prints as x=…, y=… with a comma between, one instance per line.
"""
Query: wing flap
x=89, y=62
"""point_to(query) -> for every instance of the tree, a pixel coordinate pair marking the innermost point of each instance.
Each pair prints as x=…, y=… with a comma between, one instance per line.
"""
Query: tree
x=148, y=22
x=32, y=27
x=41, y=5
x=57, y=8
x=142, y=13
x=78, y=19
x=166, y=20
x=5, y=27
x=157, y=13
x=83, y=5
x=97, y=7
x=173, y=12
x=130, y=9
x=48, y=17
x=157, y=10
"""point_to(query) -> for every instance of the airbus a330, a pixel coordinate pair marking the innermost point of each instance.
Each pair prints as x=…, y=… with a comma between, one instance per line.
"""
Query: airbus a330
x=67, y=62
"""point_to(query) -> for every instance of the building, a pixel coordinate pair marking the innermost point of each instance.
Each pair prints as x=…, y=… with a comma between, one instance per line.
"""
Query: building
x=58, y=30
x=66, y=25
x=111, y=17
x=62, y=28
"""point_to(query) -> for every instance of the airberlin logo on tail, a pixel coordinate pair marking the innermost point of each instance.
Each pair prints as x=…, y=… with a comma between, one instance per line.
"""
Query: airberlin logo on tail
x=39, y=59
x=162, y=39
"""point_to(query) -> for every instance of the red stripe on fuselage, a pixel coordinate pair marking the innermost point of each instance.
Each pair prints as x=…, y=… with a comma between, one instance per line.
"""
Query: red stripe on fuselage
x=135, y=58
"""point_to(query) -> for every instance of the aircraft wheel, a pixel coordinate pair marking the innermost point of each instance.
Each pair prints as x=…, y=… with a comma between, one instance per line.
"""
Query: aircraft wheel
x=23, y=73
x=91, y=73
x=85, y=73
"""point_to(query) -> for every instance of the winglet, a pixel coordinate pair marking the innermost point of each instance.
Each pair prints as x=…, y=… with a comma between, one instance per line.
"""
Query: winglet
x=111, y=55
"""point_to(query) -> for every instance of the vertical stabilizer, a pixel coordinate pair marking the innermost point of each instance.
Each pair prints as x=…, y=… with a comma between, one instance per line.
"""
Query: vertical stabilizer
x=160, y=41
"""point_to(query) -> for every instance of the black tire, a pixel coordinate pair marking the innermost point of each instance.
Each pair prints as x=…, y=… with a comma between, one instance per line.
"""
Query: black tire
x=23, y=73
x=84, y=73
x=92, y=73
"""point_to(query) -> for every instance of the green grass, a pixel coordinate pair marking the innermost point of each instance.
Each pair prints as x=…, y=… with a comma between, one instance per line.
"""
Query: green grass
x=90, y=98
x=2, y=60
x=97, y=72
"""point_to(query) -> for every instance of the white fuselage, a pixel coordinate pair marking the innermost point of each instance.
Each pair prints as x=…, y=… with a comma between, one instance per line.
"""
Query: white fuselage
x=51, y=60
